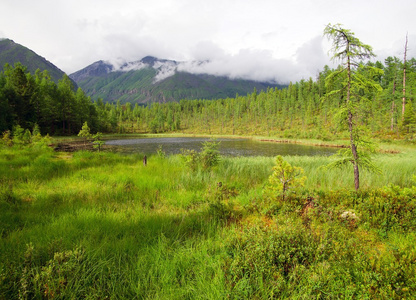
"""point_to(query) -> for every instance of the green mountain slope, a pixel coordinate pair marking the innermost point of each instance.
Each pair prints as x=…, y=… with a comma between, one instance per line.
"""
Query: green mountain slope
x=142, y=82
x=11, y=53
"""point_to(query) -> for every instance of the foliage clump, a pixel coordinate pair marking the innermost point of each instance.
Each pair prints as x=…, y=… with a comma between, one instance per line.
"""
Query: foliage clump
x=21, y=138
x=52, y=280
x=98, y=141
x=85, y=132
x=285, y=178
x=206, y=159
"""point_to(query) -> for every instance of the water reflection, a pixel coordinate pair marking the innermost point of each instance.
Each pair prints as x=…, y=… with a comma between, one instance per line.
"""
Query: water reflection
x=228, y=147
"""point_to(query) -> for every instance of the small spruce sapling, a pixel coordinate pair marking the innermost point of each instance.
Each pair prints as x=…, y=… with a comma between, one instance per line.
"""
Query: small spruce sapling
x=18, y=134
x=98, y=141
x=210, y=155
x=36, y=135
x=208, y=158
x=85, y=133
x=284, y=178
x=6, y=139
x=160, y=152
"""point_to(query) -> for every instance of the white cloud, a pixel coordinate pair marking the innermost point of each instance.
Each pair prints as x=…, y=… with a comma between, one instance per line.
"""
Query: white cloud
x=262, y=39
x=397, y=48
x=165, y=70
x=311, y=57
x=260, y=65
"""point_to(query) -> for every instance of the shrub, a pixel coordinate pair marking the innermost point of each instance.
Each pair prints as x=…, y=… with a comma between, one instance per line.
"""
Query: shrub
x=390, y=208
x=191, y=158
x=262, y=258
x=206, y=159
x=210, y=156
x=85, y=132
x=160, y=152
x=6, y=139
x=98, y=141
x=54, y=278
x=284, y=178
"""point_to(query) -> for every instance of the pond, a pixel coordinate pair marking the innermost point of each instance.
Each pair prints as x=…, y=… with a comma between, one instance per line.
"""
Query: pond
x=227, y=147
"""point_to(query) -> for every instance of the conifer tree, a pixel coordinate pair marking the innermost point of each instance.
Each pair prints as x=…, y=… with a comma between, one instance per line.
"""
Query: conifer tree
x=85, y=133
x=354, y=87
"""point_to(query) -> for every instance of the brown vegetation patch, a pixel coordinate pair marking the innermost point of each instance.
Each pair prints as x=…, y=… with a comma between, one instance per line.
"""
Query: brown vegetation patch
x=74, y=146
x=298, y=142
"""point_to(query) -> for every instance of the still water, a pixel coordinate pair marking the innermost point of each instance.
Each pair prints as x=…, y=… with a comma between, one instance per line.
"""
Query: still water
x=227, y=147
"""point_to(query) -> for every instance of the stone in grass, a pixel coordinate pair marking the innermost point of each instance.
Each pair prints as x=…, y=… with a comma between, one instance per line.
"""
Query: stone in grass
x=350, y=217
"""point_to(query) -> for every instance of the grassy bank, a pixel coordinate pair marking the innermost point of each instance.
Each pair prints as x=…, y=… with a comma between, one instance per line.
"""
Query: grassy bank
x=97, y=225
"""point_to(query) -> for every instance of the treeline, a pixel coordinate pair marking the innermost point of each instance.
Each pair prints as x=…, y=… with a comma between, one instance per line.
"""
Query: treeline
x=34, y=100
x=306, y=109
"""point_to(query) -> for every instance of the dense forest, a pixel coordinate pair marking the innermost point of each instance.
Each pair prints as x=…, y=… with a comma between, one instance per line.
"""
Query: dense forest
x=58, y=109
x=305, y=109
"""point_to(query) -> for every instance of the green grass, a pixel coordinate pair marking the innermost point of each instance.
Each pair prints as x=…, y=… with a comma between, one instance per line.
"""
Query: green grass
x=97, y=225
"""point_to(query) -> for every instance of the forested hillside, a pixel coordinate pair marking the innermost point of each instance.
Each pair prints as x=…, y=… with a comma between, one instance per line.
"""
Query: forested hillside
x=305, y=109
x=11, y=53
x=27, y=99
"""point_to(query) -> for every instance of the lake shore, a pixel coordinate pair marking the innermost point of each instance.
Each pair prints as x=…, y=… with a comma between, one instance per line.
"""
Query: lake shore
x=393, y=147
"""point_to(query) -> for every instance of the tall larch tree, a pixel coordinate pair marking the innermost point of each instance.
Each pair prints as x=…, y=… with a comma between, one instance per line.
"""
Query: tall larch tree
x=404, y=80
x=351, y=51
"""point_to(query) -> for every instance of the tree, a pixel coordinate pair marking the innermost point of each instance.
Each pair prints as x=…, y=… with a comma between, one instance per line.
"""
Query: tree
x=354, y=87
x=21, y=89
x=82, y=107
x=390, y=78
x=409, y=118
x=404, y=80
x=208, y=158
x=210, y=155
x=6, y=112
x=18, y=135
x=85, y=133
x=98, y=141
x=285, y=177
x=66, y=100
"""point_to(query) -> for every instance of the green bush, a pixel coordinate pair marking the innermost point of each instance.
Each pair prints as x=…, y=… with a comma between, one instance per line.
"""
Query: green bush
x=210, y=156
x=263, y=258
x=284, y=178
x=390, y=208
x=206, y=159
x=55, y=279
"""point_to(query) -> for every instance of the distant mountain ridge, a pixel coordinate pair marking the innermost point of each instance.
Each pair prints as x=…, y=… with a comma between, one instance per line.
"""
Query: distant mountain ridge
x=158, y=80
x=11, y=53
x=149, y=79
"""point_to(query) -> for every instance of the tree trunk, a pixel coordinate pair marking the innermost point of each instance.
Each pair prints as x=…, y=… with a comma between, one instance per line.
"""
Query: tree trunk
x=354, y=153
x=392, y=106
x=350, y=128
x=404, y=80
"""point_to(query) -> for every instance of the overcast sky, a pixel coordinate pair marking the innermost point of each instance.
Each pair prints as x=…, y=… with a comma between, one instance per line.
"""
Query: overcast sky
x=254, y=39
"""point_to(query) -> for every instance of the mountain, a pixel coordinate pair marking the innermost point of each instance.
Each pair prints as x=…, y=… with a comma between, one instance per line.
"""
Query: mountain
x=158, y=80
x=11, y=53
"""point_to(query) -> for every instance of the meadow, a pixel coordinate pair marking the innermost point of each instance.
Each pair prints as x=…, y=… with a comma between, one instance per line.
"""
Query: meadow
x=101, y=225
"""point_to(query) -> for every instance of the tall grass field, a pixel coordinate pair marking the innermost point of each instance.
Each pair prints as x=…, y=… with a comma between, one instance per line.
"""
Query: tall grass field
x=90, y=225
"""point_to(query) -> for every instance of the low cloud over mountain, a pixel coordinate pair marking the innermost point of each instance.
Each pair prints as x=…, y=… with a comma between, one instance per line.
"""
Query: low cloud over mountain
x=256, y=65
x=152, y=79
